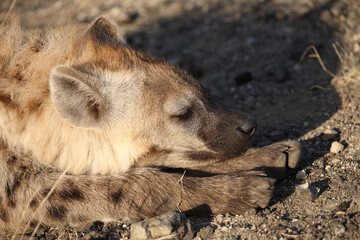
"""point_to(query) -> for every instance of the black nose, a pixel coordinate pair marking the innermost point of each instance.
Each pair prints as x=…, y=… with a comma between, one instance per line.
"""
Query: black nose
x=247, y=126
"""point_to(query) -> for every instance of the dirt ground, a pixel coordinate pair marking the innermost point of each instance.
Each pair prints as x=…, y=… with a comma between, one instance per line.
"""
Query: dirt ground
x=247, y=55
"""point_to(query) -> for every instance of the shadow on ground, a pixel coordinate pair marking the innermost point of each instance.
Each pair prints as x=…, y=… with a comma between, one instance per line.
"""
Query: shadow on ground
x=252, y=62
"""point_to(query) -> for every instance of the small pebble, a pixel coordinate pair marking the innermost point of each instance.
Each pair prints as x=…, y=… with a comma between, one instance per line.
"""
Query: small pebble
x=336, y=147
x=205, y=232
x=330, y=134
x=301, y=175
x=219, y=218
x=339, y=229
x=306, y=192
x=266, y=211
x=334, y=161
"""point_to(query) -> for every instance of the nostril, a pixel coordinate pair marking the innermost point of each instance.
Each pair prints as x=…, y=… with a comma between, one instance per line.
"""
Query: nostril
x=248, y=128
x=253, y=131
x=249, y=131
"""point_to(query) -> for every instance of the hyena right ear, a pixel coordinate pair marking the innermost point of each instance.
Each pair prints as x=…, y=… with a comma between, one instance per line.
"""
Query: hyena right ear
x=104, y=31
x=77, y=97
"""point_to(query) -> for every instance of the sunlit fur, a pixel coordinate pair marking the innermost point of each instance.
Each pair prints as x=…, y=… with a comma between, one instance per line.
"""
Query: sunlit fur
x=30, y=123
x=78, y=99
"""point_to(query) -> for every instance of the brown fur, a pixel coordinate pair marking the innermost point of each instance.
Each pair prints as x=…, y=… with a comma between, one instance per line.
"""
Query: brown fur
x=80, y=100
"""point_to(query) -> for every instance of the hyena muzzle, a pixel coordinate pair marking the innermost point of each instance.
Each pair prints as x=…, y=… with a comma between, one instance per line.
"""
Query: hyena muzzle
x=136, y=136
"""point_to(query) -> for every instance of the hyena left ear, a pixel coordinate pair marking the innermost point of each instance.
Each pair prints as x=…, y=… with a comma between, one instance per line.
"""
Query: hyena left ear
x=78, y=98
x=104, y=31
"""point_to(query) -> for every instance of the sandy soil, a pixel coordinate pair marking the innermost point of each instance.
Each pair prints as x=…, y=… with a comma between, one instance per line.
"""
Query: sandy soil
x=247, y=55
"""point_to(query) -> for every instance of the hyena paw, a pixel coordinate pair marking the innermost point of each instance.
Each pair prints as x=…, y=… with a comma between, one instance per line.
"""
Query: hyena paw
x=251, y=189
x=260, y=189
x=280, y=158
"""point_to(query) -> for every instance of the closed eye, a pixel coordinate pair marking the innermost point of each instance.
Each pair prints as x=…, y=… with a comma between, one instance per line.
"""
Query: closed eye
x=183, y=116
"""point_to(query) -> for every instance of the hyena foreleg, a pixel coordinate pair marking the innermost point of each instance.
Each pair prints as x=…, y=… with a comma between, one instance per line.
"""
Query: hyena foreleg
x=141, y=192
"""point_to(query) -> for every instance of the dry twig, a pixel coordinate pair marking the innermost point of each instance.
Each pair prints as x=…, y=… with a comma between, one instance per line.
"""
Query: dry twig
x=182, y=188
x=317, y=56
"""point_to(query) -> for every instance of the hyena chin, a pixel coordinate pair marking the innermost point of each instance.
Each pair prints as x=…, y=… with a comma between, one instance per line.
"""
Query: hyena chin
x=124, y=126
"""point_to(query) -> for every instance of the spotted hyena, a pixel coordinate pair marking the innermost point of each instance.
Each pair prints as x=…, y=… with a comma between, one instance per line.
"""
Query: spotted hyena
x=124, y=127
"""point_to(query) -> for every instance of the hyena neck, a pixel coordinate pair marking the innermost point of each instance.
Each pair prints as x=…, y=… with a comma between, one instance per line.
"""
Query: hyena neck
x=56, y=143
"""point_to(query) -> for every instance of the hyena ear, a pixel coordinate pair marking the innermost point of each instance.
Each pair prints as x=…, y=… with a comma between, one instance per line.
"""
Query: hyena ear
x=104, y=31
x=77, y=97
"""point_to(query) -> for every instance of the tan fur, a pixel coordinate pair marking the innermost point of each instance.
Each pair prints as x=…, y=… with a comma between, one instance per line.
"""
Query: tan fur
x=79, y=99
x=27, y=123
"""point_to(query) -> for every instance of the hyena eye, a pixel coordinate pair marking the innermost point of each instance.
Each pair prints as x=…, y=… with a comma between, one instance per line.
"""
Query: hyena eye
x=184, y=115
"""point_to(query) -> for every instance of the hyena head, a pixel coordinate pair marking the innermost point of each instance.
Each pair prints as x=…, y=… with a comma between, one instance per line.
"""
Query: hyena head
x=118, y=91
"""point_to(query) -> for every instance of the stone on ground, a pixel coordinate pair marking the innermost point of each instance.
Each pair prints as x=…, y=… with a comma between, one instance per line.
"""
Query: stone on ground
x=306, y=192
x=172, y=225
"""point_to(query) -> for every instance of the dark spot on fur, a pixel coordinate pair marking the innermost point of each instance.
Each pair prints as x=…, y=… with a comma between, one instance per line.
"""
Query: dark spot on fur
x=45, y=191
x=3, y=215
x=37, y=46
x=11, y=161
x=33, y=224
x=116, y=196
x=34, y=203
x=7, y=100
x=10, y=188
x=11, y=203
x=57, y=212
x=18, y=76
x=73, y=193
x=34, y=105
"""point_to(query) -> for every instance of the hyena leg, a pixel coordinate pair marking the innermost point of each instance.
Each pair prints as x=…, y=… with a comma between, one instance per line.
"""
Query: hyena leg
x=276, y=160
x=141, y=192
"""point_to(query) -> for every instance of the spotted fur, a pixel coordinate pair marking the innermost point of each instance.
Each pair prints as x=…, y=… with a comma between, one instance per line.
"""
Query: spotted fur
x=124, y=126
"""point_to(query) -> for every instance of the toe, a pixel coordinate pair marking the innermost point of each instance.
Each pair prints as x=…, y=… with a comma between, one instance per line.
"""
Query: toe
x=293, y=154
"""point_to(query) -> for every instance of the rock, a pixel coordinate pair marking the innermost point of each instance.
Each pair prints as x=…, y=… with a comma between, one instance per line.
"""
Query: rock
x=339, y=229
x=336, y=147
x=266, y=211
x=306, y=192
x=219, y=218
x=330, y=134
x=301, y=175
x=354, y=206
x=325, y=16
x=343, y=206
x=173, y=225
x=334, y=161
x=205, y=232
